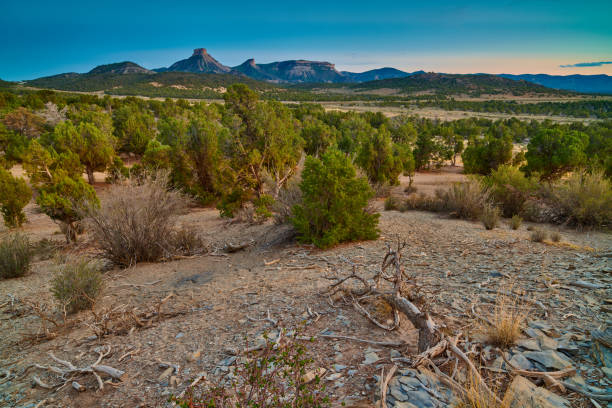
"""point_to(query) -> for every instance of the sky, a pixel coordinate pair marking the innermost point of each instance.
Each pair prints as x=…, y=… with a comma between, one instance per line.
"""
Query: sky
x=40, y=38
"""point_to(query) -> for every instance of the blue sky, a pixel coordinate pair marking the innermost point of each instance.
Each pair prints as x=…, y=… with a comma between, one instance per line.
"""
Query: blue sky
x=518, y=36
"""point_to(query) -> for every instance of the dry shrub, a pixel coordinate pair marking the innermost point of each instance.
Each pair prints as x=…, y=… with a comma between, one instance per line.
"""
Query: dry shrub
x=422, y=202
x=187, y=241
x=77, y=284
x=288, y=197
x=475, y=396
x=490, y=216
x=584, y=199
x=381, y=190
x=136, y=219
x=555, y=236
x=15, y=256
x=394, y=203
x=515, y=222
x=538, y=235
x=464, y=200
x=506, y=320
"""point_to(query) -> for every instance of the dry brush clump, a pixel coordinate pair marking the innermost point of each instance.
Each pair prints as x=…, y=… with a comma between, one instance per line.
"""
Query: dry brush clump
x=506, y=320
x=490, y=216
x=538, y=235
x=583, y=199
x=515, y=222
x=464, y=200
x=136, y=222
x=77, y=285
x=15, y=256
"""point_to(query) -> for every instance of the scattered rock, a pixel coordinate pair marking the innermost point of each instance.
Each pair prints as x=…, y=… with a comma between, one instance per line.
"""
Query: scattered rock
x=549, y=359
x=522, y=393
x=370, y=358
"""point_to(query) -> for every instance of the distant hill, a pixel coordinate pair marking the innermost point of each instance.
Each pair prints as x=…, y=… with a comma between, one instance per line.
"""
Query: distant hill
x=164, y=84
x=441, y=84
x=578, y=83
x=126, y=67
x=374, y=75
x=200, y=62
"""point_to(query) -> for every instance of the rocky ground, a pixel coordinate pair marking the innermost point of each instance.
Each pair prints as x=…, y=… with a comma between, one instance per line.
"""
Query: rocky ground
x=222, y=301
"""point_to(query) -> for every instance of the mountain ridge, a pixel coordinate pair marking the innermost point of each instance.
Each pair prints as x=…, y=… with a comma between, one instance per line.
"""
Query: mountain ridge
x=307, y=72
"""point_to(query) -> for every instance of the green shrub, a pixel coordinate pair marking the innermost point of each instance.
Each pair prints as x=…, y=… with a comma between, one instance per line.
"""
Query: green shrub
x=281, y=375
x=14, y=196
x=584, y=199
x=334, y=203
x=490, y=216
x=464, y=200
x=554, y=152
x=15, y=256
x=510, y=189
x=64, y=200
x=538, y=235
x=77, y=285
x=487, y=153
x=515, y=222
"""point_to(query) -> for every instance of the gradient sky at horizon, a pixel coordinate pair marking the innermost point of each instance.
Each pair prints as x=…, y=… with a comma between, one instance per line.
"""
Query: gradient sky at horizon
x=42, y=38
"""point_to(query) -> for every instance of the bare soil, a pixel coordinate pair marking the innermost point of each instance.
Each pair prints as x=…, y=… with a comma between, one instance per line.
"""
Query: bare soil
x=223, y=300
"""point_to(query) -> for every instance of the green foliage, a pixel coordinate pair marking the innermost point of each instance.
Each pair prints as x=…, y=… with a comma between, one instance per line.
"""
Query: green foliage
x=276, y=377
x=264, y=141
x=15, y=256
x=334, y=203
x=134, y=128
x=553, y=152
x=487, y=153
x=95, y=147
x=77, y=285
x=510, y=189
x=14, y=196
x=376, y=157
x=64, y=198
x=318, y=137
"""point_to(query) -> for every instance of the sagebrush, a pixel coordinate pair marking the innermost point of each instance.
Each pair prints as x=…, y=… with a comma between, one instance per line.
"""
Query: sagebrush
x=15, y=256
x=77, y=285
x=135, y=221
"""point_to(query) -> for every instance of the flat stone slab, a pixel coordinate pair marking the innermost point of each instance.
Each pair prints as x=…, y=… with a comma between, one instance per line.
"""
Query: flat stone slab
x=522, y=393
x=549, y=359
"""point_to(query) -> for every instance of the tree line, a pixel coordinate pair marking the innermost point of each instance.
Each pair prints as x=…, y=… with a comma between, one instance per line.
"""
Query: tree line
x=247, y=151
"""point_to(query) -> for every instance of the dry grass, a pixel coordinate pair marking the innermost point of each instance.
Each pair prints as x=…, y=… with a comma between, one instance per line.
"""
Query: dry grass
x=515, y=222
x=506, y=320
x=77, y=285
x=474, y=396
x=135, y=221
x=15, y=256
x=464, y=200
x=555, y=236
x=538, y=235
x=490, y=217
